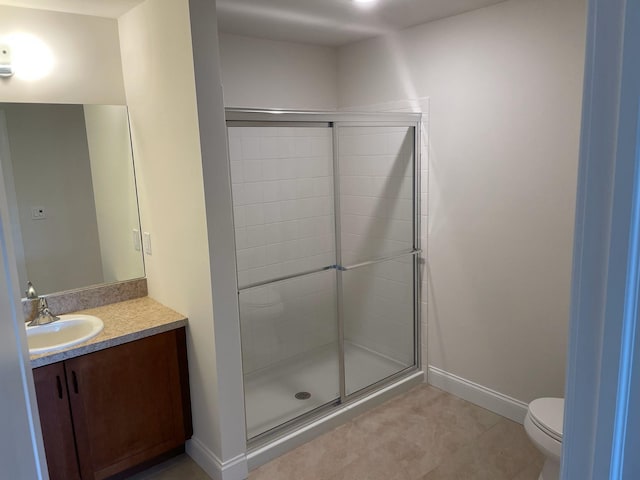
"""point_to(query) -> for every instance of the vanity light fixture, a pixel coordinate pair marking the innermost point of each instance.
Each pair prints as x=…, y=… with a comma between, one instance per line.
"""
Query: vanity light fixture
x=6, y=68
x=31, y=58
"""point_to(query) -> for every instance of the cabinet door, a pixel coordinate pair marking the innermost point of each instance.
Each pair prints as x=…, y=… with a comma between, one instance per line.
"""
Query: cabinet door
x=55, y=421
x=127, y=403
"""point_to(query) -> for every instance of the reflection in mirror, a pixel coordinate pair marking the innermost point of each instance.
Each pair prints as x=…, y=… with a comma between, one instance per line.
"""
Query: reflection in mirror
x=69, y=180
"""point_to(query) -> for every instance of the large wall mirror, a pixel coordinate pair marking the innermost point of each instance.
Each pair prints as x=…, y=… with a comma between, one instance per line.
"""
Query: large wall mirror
x=69, y=181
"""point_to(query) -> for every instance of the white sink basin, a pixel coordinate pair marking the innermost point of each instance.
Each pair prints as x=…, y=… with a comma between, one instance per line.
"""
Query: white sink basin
x=68, y=331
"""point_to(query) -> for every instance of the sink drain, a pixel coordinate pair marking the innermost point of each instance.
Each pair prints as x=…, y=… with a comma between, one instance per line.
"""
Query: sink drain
x=303, y=395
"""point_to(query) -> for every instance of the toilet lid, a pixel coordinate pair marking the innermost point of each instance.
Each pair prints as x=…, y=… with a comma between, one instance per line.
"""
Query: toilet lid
x=548, y=414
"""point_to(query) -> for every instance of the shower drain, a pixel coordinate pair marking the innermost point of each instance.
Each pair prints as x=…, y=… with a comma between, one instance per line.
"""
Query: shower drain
x=303, y=395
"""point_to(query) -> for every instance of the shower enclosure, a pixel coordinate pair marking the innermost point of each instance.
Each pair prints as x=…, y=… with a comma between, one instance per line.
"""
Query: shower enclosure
x=326, y=217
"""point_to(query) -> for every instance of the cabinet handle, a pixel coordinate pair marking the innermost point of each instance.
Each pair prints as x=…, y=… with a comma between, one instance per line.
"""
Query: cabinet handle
x=74, y=380
x=59, y=385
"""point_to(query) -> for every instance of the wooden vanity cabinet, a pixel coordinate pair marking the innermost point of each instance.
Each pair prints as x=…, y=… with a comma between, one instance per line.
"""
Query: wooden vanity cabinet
x=126, y=405
x=56, y=423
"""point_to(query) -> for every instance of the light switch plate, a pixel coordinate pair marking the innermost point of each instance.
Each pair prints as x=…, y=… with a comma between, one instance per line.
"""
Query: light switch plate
x=136, y=240
x=146, y=242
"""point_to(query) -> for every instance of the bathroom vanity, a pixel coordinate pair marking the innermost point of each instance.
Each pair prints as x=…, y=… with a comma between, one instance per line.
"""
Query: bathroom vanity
x=120, y=400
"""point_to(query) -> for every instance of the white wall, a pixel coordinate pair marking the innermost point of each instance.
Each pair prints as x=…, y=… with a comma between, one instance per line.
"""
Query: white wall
x=114, y=191
x=232, y=460
x=165, y=138
x=505, y=92
x=82, y=51
x=51, y=169
x=161, y=96
x=258, y=73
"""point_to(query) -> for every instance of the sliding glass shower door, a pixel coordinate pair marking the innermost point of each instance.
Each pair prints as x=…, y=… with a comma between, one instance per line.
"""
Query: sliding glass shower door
x=282, y=185
x=377, y=245
x=326, y=217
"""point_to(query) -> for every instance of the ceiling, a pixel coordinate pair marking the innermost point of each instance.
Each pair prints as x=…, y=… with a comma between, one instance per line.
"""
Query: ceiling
x=332, y=22
x=321, y=22
x=98, y=8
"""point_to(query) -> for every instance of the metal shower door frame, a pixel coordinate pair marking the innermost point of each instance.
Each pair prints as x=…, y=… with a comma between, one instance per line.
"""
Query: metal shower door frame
x=374, y=120
x=336, y=121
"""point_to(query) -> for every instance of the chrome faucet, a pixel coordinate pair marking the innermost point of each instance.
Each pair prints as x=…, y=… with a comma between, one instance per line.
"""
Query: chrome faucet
x=44, y=314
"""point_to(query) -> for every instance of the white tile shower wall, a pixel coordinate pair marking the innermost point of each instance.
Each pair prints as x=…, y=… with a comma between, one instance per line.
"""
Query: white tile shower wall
x=282, y=196
x=377, y=207
x=376, y=191
x=283, y=211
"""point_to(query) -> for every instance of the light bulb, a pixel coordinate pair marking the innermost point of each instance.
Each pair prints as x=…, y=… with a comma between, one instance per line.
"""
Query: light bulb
x=32, y=59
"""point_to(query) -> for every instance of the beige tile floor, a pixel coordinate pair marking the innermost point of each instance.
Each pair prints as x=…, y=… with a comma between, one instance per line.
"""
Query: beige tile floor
x=425, y=434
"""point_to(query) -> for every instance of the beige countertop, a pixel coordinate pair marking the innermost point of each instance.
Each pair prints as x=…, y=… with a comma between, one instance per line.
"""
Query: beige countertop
x=123, y=322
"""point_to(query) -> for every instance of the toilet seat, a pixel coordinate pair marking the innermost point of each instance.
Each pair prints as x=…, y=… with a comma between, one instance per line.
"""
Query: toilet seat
x=547, y=414
x=543, y=424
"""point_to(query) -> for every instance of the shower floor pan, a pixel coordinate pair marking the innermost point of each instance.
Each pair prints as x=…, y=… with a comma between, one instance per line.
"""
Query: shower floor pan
x=270, y=393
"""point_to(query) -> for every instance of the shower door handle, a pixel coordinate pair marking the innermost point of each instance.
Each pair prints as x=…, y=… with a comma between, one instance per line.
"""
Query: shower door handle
x=340, y=268
x=289, y=277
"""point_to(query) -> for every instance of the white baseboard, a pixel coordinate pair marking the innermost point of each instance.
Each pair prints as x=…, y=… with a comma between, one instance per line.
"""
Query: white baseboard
x=233, y=469
x=472, y=392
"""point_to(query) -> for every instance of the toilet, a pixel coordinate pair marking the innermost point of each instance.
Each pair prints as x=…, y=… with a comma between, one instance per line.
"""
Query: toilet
x=543, y=424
